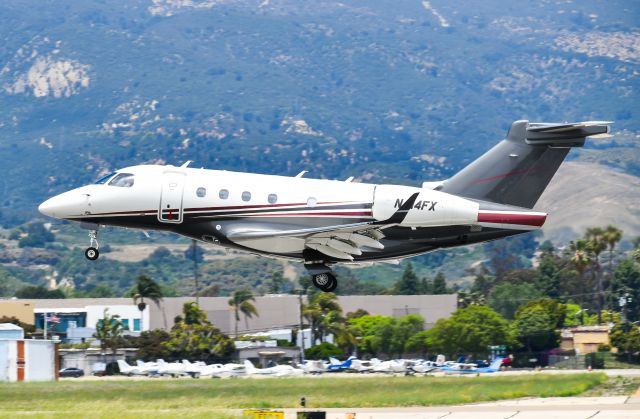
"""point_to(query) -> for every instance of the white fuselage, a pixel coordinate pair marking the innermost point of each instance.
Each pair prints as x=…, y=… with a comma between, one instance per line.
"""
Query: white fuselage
x=285, y=216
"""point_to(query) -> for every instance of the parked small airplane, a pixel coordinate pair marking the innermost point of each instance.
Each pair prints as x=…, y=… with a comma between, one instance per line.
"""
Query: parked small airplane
x=126, y=369
x=326, y=222
x=277, y=371
x=336, y=366
x=462, y=368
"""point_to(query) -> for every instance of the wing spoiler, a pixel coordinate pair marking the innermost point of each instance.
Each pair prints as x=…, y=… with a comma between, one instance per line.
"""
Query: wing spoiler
x=564, y=135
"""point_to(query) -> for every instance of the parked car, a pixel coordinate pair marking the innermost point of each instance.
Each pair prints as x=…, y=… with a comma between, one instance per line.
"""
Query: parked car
x=71, y=372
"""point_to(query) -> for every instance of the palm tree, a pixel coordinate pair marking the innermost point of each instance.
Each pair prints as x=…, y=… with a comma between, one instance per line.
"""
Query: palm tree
x=599, y=244
x=581, y=257
x=323, y=313
x=612, y=236
x=146, y=287
x=240, y=301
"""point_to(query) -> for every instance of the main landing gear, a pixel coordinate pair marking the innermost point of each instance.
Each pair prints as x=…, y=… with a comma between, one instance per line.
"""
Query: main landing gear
x=325, y=281
x=92, y=252
x=322, y=277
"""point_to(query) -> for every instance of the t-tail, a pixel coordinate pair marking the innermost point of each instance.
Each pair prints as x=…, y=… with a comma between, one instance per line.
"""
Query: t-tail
x=518, y=169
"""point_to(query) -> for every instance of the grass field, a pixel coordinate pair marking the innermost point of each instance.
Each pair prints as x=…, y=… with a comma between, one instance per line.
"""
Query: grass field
x=210, y=398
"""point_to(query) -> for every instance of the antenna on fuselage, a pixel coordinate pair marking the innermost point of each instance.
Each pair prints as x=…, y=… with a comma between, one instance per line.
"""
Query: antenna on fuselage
x=304, y=172
x=186, y=164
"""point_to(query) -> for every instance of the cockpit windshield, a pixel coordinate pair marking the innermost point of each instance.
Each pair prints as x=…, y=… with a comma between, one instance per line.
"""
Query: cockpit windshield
x=122, y=180
x=104, y=179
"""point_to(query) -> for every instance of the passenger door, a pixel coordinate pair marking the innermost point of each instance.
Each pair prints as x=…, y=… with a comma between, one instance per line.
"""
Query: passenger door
x=170, y=210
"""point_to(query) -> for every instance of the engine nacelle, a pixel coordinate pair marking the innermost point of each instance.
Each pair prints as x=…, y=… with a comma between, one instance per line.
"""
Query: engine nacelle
x=430, y=209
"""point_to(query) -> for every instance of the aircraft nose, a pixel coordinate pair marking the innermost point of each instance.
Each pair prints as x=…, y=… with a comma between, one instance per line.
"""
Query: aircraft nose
x=65, y=205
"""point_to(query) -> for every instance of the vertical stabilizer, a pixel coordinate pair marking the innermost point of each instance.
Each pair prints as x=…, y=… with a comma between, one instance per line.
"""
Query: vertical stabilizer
x=518, y=169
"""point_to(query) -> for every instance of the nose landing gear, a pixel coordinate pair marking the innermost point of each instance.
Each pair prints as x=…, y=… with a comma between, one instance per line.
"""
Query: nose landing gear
x=92, y=252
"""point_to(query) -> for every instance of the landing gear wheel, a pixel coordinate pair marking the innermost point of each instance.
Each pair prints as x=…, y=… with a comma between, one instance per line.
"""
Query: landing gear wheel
x=332, y=286
x=91, y=253
x=325, y=281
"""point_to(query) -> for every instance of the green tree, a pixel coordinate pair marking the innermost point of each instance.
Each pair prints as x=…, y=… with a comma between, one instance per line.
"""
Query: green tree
x=241, y=302
x=505, y=298
x=146, y=287
x=277, y=283
x=417, y=344
x=101, y=291
x=322, y=311
x=404, y=328
x=625, y=337
x=549, y=275
x=468, y=298
x=599, y=243
x=373, y=333
x=37, y=236
x=626, y=284
x=408, y=284
x=469, y=330
x=37, y=292
x=109, y=331
x=536, y=324
x=194, y=337
x=150, y=344
x=439, y=284
x=323, y=351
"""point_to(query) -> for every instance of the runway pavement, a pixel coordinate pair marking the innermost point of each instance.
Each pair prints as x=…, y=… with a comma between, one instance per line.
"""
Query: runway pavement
x=618, y=407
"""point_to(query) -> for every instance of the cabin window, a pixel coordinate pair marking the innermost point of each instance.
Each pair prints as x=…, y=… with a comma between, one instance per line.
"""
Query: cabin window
x=224, y=194
x=201, y=192
x=246, y=196
x=122, y=180
x=312, y=202
x=272, y=198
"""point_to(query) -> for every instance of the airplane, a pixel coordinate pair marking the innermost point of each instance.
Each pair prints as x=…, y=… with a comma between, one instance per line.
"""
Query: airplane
x=327, y=222
x=336, y=366
x=462, y=368
x=276, y=371
x=129, y=370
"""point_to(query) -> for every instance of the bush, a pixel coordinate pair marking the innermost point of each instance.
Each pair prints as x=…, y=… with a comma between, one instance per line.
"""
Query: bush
x=323, y=351
x=594, y=360
x=603, y=347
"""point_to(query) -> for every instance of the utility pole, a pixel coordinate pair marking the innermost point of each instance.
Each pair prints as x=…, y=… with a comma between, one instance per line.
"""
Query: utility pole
x=195, y=269
x=623, y=302
x=45, y=326
x=301, y=325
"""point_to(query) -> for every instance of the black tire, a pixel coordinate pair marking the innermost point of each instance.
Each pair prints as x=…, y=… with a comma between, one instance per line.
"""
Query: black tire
x=325, y=281
x=321, y=280
x=91, y=253
x=332, y=286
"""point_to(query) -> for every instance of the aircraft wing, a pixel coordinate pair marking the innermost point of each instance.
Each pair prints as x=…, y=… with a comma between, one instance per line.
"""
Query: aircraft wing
x=340, y=242
x=337, y=241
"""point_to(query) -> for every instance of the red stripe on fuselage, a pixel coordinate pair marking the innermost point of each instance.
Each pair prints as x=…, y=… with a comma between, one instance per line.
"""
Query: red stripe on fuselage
x=241, y=207
x=536, y=220
x=501, y=176
x=299, y=214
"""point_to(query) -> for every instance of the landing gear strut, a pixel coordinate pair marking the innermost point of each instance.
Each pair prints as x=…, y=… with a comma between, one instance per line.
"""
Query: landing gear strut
x=321, y=276
x=92, y=252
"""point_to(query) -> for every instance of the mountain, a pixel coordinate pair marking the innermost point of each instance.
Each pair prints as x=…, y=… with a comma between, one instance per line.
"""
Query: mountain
x=382, y=90
x=586, y=195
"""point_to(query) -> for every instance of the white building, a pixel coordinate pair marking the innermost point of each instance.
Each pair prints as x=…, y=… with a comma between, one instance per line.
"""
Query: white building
x=11, y=331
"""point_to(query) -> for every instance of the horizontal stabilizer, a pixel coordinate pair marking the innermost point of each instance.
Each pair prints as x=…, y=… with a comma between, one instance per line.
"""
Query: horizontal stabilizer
x=564, y=135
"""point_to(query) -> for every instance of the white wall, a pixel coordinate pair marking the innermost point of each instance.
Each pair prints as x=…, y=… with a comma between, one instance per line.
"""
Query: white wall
x=40, y=360
x=128, y=312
